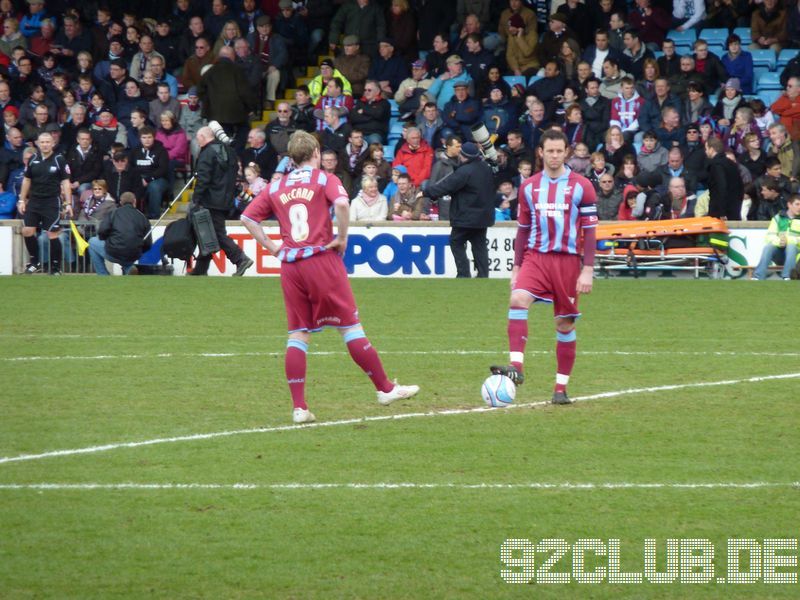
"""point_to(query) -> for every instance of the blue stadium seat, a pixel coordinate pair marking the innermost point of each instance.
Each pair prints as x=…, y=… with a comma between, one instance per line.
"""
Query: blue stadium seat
x=714, y=36
x=764, y=58
x=785, y=56
x=395, y=127
x=658, y=54
x=388, y=152
x=744, y=33
x=683, y=49
x=769, y=96
x=769, y=81
x=683, y=38
x=717, y=50
x=513, y=80
x=395, y=111
x=758, y=72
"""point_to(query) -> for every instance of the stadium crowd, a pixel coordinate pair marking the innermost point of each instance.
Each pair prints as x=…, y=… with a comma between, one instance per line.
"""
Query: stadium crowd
x=657, y=115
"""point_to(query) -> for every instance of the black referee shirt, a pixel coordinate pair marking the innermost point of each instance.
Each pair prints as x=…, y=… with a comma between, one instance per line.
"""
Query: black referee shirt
x=46, y=175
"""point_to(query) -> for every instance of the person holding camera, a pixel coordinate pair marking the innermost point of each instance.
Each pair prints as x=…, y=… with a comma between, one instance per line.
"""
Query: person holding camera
x=215, y=190
x=471, y=187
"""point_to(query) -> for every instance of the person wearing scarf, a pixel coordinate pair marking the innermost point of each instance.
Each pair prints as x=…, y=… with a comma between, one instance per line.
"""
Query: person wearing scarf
x=369, y=204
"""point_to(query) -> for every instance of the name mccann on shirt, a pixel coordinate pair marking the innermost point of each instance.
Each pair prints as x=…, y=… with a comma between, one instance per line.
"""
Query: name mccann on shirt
x=298, y=193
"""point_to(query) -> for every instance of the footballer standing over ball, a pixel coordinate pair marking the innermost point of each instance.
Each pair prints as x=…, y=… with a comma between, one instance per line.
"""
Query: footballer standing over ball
x=553, y=258
x=316, y=291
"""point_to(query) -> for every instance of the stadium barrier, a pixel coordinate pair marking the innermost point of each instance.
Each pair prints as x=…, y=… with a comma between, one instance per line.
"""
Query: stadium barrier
x=387, y=250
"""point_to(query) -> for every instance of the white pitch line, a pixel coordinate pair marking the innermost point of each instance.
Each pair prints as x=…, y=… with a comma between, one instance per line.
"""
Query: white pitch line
x=387, y=352
x=398, y=417
x=398, y=486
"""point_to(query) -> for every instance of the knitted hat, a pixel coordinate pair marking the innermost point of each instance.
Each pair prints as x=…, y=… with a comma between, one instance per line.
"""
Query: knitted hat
x=470, y=150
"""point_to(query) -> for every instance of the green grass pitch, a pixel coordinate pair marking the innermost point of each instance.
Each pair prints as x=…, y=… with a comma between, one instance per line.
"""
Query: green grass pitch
x=87, y=362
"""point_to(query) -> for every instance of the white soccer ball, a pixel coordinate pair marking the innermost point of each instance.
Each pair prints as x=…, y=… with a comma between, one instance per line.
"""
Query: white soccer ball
x=498, y=390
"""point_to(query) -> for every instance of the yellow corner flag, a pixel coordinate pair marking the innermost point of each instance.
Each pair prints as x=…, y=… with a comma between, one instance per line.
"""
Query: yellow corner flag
x=82, y=243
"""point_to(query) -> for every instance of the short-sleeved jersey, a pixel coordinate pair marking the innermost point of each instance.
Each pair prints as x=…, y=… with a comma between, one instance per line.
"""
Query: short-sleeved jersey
x=556, y=211
x=46, y=175
x=301, y=202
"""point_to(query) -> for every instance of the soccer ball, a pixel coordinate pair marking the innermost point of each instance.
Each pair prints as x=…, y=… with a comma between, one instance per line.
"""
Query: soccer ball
x=498, y=390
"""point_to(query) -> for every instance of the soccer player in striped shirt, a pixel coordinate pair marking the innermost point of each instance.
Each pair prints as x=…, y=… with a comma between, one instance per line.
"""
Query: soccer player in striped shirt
x=553, y=257
x=316, y=290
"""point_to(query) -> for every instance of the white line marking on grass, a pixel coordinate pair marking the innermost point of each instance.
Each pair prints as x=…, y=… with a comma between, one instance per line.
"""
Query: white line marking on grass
x=387, y=352
x=398, y=486
x=398, y=417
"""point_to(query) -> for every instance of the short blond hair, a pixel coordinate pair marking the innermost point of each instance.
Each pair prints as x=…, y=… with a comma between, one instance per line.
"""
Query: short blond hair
x=302, y=146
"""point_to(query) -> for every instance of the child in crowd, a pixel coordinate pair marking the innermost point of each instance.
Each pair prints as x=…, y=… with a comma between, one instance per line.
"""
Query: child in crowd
x=505, y=206
x=763, y=116
x=391, y=187
x=303, y=110
x=580, y=161
x=524, y=170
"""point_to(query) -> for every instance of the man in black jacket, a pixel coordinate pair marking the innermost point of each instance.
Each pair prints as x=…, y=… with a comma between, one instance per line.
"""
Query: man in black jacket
x=471, y=210
x=121, y=238
x=725, y=187
x=151, y=162
x=85, y=163
x=214, y=189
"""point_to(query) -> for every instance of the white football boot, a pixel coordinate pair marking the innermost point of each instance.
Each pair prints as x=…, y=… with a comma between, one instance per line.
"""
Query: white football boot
x=398, y=392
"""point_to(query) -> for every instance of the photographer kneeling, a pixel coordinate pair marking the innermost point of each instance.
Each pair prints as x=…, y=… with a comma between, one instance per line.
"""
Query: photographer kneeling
x=215, y=189
x=121, y=238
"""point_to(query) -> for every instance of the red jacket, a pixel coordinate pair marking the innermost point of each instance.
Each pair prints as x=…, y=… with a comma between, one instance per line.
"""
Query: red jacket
x=789, y=111
x=417, y=162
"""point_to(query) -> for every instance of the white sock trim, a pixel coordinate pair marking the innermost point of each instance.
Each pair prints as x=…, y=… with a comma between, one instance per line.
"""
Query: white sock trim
x=516, y=357
x=562, y=379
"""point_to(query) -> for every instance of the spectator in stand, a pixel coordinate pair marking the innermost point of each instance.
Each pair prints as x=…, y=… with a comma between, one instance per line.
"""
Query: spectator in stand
x=95, y=203
x=596, y=112
x=334, y=97
x=161, y=76
x=401, y=25
x=651, y=114
x=616, y=148
x=31, y=23
x=85, y=163
x=768, y=26
x=725, y=187
x=753, y=158
x=686, y=14
x=549, y=88
x=625, y=109
x=11, y=37
x=521, y=45
x=271, y=49
x=193, y=65
x=292, y=28
x=635, y=53
x=187, y=45
x=578, y=20
x=230, y=32
x=371, y=114
x=363, y=18
x=303, y=110
x=462, y=112
x=354, y=153
x=166, y=44
x=152, y=166
x=122, y=177
x=369, y=205
x=250, y=12
x=141, y=60
x=437, y=58
x=163, y=102
x=616, y=30
x=597, y=53
x=330, y=163
x=41, y=42
x=738, y=63
x=36, y=98
x=383, y=168
x=787, y=107
x=319, y=84
x=107, y=130
x=416, y=155
x=782, y=241
x=681, y=204
x=10, y=157
x=251, y=66
x=411, y=95
x=387, y=69
x=353, y=65
x=175, y=142
x=429, y=122
x=728, y=100
x=406, y=205
x=652, y=156
x=280, y=129
x=653, y=22
x=216, y=19
x=709, y=67
x=787, y=150
x=669, y=132
x=696, y=106
x=515, y=7
x=443, y=87
x=669, y=63
x=471, y=24
x=335, y=131
x=499, y=115
x=611, y=82
x=609, y=197
x=76, y=121
x=259, y=153
x=533, y=122
x=771, y=201
x=645, y=86
x=550, y=43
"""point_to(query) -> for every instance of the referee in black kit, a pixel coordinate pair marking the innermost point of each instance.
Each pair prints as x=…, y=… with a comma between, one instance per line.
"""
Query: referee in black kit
x=46, y=181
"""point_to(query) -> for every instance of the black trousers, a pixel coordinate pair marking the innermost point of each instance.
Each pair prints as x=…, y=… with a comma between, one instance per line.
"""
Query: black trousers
x=232, y=250
x=459, y=236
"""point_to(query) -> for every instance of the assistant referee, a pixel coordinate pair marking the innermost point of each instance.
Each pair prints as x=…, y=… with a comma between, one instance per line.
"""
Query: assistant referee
x=45, y=193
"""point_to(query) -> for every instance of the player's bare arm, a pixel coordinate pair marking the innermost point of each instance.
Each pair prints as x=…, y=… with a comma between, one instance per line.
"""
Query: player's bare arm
x=342, y=210
x=257, y=232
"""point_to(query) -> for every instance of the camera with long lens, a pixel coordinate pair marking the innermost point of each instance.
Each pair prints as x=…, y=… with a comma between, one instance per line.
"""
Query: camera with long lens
x=482, y=137
x=219, y=132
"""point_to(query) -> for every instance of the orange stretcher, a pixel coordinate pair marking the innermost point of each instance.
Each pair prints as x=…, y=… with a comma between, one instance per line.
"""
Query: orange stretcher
x=645, y=246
